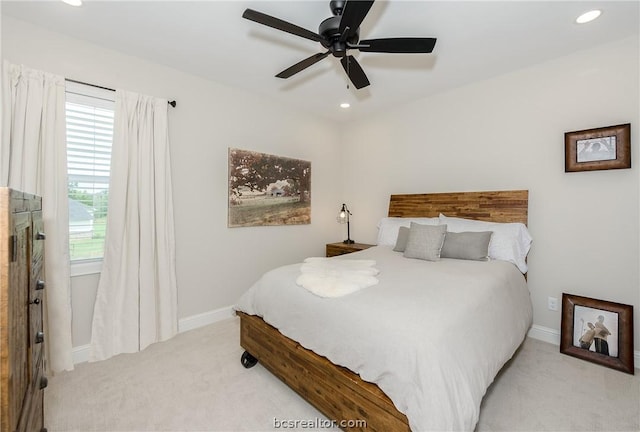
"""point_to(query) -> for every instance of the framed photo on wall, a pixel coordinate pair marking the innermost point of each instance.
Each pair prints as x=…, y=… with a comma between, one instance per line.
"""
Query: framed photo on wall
x=598, y=149
x=598, y=331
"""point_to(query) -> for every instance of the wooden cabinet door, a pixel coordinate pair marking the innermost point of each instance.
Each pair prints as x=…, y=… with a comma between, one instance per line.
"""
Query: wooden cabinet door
x=14, y=365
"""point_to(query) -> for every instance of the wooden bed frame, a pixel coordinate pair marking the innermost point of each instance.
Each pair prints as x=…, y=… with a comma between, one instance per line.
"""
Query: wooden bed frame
x=334, y=390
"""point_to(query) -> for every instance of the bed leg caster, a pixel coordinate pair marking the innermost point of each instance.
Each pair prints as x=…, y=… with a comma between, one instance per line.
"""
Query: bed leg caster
x=247, y=360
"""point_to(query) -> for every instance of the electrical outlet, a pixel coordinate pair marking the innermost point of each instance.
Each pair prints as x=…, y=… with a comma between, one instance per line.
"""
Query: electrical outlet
x=552, y=303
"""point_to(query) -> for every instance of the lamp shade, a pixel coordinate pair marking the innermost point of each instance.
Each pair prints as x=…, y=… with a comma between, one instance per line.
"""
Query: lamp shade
x=343, y=216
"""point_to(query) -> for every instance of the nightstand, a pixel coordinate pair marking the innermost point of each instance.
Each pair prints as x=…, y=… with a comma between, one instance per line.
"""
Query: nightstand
x=334, y=249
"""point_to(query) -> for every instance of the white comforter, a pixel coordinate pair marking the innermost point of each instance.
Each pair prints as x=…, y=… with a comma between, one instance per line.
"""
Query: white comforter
x=431, y=335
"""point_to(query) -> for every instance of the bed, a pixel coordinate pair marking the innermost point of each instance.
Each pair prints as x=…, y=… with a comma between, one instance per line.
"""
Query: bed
x=296, y=340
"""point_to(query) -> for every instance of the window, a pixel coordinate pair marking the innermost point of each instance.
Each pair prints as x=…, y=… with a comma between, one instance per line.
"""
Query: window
x=89, y=118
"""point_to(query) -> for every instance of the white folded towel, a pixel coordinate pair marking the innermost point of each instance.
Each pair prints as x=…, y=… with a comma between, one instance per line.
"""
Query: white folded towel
x=328, y=277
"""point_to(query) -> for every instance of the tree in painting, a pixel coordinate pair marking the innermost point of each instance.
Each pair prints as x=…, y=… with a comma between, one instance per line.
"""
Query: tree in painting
x=266, y=189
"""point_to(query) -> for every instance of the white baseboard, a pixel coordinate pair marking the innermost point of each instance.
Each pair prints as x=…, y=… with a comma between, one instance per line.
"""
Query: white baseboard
x=203, y=319
x=80, y=354
x=552, y=336
x=544, y=334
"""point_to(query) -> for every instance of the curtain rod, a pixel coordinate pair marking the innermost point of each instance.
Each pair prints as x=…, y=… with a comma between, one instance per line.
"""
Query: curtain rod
x=172, y=103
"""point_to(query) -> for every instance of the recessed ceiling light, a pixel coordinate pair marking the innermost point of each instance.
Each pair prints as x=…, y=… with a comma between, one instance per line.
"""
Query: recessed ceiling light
x=73, y=2
x=588, y=16
x=345, y=105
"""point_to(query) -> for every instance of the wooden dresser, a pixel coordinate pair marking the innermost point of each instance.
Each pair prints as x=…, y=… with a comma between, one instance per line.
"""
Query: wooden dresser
x=22, y=283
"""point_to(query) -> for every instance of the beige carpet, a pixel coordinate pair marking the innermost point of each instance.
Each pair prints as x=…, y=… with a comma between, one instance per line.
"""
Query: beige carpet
x=195, y=382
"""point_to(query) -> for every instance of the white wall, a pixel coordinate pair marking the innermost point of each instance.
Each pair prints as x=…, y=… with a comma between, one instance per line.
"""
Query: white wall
x=508, y=133
x=503, y=133
x=215, y=264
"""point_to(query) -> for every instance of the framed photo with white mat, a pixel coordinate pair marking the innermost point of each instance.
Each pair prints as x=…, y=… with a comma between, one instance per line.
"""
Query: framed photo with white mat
x=598, y=331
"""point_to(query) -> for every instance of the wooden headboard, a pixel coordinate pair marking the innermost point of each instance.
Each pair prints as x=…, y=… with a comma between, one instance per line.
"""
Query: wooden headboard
x=494, y=206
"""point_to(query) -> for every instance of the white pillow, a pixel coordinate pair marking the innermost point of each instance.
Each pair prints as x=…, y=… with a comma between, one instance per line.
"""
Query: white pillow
x=388, y=228
x=509, y=242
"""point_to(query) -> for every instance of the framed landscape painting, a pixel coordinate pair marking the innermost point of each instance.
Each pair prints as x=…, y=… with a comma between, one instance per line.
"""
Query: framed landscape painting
x=598, y=331
x=266, y=189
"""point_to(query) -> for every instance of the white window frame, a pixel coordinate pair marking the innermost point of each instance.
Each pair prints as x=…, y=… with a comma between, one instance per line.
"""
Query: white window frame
x=101, y=98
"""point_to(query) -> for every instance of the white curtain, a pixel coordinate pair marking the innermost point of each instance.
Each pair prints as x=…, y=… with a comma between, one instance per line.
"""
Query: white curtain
x=33, y=159
x=136, y=302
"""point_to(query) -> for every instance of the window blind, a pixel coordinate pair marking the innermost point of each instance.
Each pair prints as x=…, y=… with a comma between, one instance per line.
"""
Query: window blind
x=89, y=120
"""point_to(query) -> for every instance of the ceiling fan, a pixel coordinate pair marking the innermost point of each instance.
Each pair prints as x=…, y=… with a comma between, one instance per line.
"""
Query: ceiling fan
x=340, y=33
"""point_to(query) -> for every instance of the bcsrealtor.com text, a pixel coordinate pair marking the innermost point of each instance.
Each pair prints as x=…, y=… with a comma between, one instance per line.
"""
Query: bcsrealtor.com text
x=317, y=423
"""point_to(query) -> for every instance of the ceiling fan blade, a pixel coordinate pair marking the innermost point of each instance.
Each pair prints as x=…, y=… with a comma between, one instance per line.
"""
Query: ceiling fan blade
x=302, y=65
x=354, y=71
x=279, y=24
x=353, y=14
x=398, y=45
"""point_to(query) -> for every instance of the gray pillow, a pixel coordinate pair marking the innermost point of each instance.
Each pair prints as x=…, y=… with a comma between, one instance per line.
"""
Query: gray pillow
x=425, y=241
x=467, y=245
x=401, y=242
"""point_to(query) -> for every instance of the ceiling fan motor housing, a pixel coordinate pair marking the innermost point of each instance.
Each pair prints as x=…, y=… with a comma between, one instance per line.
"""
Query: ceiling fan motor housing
x=337, y=6
x=329, y=29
